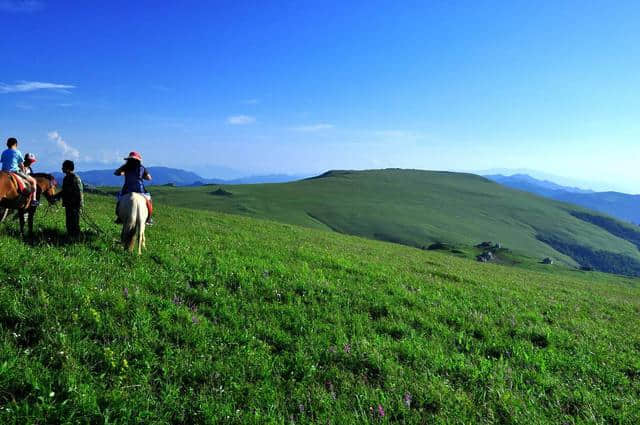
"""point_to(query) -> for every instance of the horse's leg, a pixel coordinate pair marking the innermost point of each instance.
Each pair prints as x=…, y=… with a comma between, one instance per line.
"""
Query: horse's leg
x=3, y=214
x=21, y=217
x=31, y=213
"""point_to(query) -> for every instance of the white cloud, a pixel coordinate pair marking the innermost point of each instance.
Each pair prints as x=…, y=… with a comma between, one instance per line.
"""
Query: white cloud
x=28, y=86
x=67, y=150
x=21, y=5
x=313, y=127
x=241, y=120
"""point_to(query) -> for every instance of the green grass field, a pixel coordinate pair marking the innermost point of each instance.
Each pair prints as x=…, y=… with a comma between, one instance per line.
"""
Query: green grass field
x=419, y=208
x=229, y=319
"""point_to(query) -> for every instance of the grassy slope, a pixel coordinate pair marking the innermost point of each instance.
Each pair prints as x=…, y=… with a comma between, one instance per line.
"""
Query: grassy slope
x=415, y=208
x=253, y=321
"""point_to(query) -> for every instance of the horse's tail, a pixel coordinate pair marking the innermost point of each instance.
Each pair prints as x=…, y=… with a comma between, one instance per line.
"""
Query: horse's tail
x=140, y=225
x=127, y=237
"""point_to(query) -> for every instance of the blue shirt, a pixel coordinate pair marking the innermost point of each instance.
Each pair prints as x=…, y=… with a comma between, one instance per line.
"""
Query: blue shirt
x=11, y=160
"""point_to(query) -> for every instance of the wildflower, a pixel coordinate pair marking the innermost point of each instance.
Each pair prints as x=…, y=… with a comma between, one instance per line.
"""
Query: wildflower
x=177, y=300
x=52, y=394
x=195, y=319
x=407, y=400
x=301, y=408
x=125, y=292
x=380, y=411
x=347, y=348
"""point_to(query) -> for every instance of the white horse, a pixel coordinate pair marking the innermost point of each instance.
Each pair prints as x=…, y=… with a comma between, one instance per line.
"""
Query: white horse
x=132, y=210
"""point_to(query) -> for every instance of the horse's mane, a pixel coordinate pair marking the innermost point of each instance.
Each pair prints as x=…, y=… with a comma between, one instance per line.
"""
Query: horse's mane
x=45, y=175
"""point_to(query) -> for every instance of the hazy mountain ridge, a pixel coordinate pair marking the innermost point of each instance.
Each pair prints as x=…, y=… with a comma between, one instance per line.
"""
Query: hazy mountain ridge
x=175, y=176
x=620, y=205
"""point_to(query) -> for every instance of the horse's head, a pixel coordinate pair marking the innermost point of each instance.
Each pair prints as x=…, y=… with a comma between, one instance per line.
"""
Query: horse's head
x=46, y=186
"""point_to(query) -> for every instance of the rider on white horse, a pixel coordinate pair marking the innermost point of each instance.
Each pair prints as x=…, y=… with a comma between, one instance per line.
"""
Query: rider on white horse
x=134, y=175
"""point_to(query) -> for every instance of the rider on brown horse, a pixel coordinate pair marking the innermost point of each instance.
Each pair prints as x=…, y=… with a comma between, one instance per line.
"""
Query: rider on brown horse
x=13, y=162
x=11, y=199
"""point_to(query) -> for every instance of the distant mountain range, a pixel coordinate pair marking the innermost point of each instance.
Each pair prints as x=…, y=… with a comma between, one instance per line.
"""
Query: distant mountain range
x=620, y=205
x=175, y=176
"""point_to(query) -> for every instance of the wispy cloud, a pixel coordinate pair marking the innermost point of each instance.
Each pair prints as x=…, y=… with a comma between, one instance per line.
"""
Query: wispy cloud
x=241, y=120
x=313, y=127
x=399, y=135
x=18, y=6
x=66, y=149
x=29, y=86
x=160, y=87
x=24, y=106
x=250, y=101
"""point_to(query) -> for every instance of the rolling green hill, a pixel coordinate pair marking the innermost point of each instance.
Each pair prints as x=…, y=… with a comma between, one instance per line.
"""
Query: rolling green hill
x=229, y=319
x=419, y=208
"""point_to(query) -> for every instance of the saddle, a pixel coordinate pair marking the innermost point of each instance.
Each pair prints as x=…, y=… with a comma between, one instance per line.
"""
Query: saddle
x=24, y=187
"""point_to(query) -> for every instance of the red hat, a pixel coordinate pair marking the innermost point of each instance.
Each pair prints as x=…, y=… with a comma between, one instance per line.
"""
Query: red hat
x=134, y=155
x=30, y=157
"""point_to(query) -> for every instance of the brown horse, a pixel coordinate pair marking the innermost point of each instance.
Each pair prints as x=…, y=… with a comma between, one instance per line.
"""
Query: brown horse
x=11, y=198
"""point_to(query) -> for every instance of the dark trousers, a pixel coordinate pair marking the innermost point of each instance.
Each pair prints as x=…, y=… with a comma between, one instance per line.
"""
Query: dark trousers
x=73, y=221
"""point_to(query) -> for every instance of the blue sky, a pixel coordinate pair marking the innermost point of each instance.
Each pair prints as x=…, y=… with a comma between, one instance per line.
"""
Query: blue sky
x=248, y=87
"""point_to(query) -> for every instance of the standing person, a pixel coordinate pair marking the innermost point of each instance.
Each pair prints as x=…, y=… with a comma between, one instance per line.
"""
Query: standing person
x=72, y=198
x=13, y=162
x=134, y=175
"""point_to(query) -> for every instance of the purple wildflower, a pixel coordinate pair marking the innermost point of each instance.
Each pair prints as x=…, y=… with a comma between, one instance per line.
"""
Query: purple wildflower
x=177, y=300
x=380, y=411
x=347, y=348
x=193, y=307
x=407, y=400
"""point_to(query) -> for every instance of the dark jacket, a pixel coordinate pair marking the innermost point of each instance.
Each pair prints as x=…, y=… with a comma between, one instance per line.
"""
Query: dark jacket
x=133, y=179
x=71, y=193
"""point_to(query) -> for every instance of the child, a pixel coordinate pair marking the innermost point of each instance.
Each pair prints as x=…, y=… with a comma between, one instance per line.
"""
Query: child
x=134, y=175
x=29, y=160
x=13, y=162
x=72, y=198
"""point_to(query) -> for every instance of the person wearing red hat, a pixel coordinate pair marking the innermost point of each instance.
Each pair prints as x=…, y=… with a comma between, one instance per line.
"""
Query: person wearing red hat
x=134, y=175
x=29, y=160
